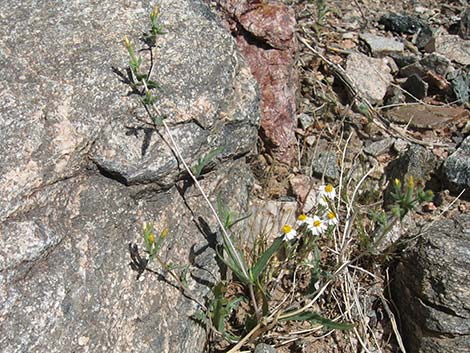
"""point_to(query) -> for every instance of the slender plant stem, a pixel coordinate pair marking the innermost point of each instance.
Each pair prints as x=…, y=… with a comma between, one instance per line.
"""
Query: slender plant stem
x=183, y=288
x=178, y=153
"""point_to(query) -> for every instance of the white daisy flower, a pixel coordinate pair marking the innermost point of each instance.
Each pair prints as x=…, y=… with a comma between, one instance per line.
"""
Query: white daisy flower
x=328, y=191
x=304, y=219
x=288, y=232
x=318, y=226
x=322, y=200
x=331, y=218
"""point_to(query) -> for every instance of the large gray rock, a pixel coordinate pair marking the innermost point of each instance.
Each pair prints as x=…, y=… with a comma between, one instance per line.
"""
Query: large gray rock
x=81, y=171
x=456, y=169
x=432, y=289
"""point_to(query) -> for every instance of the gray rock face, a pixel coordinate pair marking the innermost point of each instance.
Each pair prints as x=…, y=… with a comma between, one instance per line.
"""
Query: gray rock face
x=456, y=168
x=432, y=289
x=81, y=171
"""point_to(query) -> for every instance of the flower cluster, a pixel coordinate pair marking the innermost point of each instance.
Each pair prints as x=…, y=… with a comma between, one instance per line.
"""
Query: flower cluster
x=318, y=221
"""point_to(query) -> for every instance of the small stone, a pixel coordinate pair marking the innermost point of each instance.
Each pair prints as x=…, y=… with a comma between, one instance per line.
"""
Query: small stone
x=425, y=36
x=415, y=86
x=394, y=95
x=392, y=65
x=379, y=147
x=437, y=63
x=326, y=165
x=456, y=169
x=416, y=162
x=429, y=207
x=381, y=46
x=454, y=48
x=460, y=81
x=425, y=116
x=370, y=76
x=401, y=24
x=310, y=140
x=412, y=69
x=305, y=120
x=300, y=186
x=264, y=348
x=402, y=60
x=438, y=82
x=400, y=145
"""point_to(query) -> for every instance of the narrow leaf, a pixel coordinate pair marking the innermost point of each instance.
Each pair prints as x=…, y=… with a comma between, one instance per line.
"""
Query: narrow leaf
x=262, y=262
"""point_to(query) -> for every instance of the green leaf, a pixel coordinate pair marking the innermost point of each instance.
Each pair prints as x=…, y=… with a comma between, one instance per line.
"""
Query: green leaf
x=315, y=318
x=158, y=120
x=219, y=310
x=226, y=215
x=140, y=77
x=152, y=84
x=202, y=318
x=232, y=264
x=183, y=276
x=203, y=161
x=262, y=262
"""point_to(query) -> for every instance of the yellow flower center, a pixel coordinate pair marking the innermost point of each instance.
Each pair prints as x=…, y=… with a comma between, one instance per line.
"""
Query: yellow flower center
x=411, y=182
x=317, y=223
x=302, y=217
x=331, y=215
x=397, y=182
x=151, y=238
x=286, y=229
x=329, y=188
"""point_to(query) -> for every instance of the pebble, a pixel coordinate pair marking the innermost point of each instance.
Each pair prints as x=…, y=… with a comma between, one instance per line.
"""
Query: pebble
x=381, y=46
x=453, y=48
x=264, y=348
x=400, y=145
x=379, y=147
x=305, y=120
x=415, y=86
x=370, y=76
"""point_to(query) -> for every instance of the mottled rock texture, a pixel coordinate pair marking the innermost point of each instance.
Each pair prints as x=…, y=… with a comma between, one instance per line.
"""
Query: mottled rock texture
x=370, y=76
x=265, y=34
x=432, y=289
x=456, y=169
x=416, y=162
x=81, y=171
